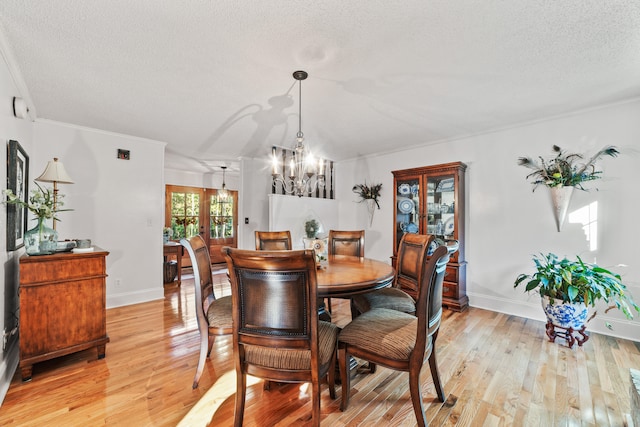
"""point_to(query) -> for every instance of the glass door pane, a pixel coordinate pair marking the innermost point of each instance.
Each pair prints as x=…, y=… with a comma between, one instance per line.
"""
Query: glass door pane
x=407, y=207
x=185, y=214
x=440, y=206
x=221, y=215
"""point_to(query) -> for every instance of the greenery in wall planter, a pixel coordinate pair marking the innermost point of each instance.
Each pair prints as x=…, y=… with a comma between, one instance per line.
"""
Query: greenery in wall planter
x=567, y=282
x=565, y=169
x=562, y=173
x=369, y=194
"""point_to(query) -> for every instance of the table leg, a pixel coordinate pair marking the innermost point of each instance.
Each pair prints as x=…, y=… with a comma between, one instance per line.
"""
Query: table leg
x=180, y=252
x=323, y=314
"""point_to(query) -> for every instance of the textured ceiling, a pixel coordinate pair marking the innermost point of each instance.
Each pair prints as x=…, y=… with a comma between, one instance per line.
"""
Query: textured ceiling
x=213, y=78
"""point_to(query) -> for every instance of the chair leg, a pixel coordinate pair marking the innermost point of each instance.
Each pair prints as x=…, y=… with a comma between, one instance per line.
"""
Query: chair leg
x=329, y=305
x=345, y=378
x=331, y=376
x=212, y=339
x=354, y=310
x=416, y=397
x=204, y=348
x=241, y=391
x=435, y=374
x=315, y=401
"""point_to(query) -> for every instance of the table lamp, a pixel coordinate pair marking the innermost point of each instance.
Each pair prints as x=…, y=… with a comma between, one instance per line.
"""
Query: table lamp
x=56, y=173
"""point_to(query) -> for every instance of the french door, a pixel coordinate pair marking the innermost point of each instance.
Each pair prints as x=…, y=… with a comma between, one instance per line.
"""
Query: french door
x=205, y=211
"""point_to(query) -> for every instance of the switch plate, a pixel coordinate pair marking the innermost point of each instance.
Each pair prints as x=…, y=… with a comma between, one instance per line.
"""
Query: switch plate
x=246, y=220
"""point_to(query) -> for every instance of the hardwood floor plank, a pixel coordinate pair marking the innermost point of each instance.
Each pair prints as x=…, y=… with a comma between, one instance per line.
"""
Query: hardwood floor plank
x=497, y=370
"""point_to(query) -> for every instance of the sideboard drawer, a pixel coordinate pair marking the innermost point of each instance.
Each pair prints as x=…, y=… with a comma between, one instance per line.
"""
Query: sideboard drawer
x=451, y=274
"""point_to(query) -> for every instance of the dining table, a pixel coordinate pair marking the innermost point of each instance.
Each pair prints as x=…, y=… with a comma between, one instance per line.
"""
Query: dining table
x=342, y=276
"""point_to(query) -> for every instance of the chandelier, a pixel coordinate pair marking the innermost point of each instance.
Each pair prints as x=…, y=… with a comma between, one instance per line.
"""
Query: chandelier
x=223, y=193
x=306, y=174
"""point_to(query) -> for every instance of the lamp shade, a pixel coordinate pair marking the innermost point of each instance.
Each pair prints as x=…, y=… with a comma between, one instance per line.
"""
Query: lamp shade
x=55, y=172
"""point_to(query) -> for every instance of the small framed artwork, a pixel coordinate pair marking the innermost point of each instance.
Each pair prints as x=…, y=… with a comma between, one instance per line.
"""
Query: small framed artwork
x=18, y=182
x=124, y=154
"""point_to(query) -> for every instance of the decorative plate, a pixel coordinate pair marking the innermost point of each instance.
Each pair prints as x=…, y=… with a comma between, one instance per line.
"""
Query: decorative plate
x=414, y=189
x=404, y=189
x=445, y=185
x=448, y=226
x=405, y=206
x=411, y=228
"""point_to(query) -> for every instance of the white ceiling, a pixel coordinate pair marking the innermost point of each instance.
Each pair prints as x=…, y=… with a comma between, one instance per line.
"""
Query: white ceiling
x=213, y=79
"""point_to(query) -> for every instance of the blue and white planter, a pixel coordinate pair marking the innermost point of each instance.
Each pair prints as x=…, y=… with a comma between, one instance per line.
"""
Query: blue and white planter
x=565, y=314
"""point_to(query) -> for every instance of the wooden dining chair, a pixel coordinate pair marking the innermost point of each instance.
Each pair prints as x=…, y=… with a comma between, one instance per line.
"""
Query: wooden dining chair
x=341, y=242
x=273, y=240
x=277, y=335
x=412, y=251
x=213, y=314
x=346, y=242
x=398, y=340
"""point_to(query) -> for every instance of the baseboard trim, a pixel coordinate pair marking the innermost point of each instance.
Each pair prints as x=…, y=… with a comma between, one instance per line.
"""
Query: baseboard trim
x=531, y=309
x=129, y=298
x=8, y=367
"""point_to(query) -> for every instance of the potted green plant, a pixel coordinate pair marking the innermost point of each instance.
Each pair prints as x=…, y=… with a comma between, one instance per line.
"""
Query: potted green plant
x=568, y=288
x=41, y=239
x=562, y=173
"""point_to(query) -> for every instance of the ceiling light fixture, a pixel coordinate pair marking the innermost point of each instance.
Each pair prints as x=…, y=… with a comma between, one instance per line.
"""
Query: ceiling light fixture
x=223, y=193
x=305, y=173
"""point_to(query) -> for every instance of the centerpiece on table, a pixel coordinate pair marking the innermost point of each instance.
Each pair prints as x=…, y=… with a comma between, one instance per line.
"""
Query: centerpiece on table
x=41, y=239
x=568, y=288
x=370, y=195
x=314, y=241
x=562, y=173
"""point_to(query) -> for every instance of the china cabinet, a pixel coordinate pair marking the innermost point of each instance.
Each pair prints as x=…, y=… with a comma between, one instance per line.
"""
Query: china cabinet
x=430, y=200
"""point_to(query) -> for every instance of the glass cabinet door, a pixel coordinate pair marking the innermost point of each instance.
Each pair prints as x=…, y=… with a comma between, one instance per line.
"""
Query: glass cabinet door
x=440, y=206
x=408, y=207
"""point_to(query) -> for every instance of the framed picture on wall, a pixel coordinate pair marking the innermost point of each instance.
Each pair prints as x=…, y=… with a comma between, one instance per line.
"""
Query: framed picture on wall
x=18, y=182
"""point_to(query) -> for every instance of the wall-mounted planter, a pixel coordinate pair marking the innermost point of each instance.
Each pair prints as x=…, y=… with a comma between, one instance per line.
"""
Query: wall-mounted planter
x=560, y=199
x=371, y=209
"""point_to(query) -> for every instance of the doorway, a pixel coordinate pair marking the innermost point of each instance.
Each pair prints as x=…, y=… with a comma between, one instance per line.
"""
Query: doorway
x=205, y=211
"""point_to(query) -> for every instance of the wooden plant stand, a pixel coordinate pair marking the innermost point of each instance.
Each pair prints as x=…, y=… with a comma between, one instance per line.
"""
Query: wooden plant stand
x=554, y=332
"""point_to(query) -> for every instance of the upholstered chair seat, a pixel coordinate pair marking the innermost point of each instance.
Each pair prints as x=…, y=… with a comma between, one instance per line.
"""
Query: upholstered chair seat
x=296, y=360
x=390, y=298
x=389, y=333
x=219, y=313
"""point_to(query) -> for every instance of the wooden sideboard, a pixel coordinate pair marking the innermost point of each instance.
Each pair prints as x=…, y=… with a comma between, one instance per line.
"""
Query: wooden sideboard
x=62, y=306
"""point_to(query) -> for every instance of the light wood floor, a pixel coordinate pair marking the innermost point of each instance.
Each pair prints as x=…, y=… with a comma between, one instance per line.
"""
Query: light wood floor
x=497, y=370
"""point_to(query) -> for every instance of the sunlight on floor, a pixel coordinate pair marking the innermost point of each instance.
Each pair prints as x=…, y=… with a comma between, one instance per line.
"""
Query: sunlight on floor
x=202, y=412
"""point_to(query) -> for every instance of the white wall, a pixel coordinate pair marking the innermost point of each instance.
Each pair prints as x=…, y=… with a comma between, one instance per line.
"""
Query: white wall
x=255, y=187
x=291, y=213
x=21, y=131
x=118, y=204
x=506, y=222
x=200, y=180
